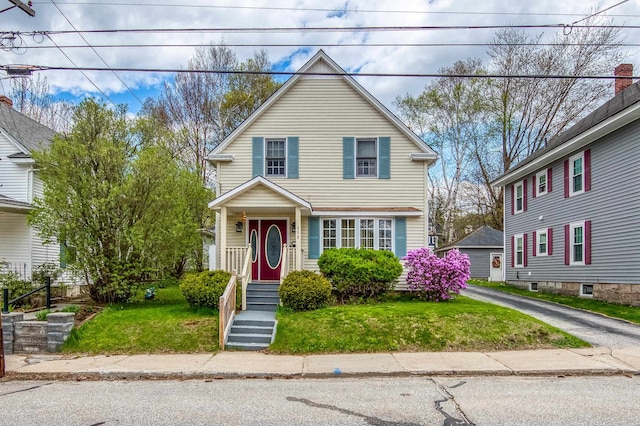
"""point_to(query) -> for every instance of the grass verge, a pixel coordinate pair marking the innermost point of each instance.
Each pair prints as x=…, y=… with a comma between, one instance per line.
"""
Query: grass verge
x=165, y=325
x=461, y=324
x=629, y=313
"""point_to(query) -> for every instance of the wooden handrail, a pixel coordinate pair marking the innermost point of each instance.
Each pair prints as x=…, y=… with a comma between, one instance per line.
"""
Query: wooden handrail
x=227, y=310
x=246, y=276
x=284, y=263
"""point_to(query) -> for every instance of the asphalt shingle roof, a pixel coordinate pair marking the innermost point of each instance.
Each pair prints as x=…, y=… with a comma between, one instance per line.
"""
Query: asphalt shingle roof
x=484, y=236
x=27, y=132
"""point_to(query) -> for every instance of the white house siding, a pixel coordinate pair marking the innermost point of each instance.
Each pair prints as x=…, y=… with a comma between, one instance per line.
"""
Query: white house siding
x=14, y=245
x=612, y=205
x=13, y=177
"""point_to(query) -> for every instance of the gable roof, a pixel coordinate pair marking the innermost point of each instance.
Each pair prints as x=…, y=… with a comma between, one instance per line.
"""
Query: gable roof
x=258, y=180
x=483, y=237
x=28, y=135
x=425, y=152
x=618, y=111
x=10, y=204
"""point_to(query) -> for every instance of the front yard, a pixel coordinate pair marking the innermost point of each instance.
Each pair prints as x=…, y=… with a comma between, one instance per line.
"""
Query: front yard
x=168, y=325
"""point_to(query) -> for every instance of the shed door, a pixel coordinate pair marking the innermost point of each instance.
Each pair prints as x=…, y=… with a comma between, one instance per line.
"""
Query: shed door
x=495, y=267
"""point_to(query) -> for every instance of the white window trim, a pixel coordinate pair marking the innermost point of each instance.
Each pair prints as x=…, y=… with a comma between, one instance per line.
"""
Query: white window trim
x=355, y=158
x=286, y=157
x=515, y=197
x=376, y=229
x=539, y=232
x=573, y=226
x=582, y=293
x=571, y=160
x=546, y=186
x=515, y=250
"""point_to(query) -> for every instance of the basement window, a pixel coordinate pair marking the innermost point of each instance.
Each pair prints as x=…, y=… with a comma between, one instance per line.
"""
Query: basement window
x=533, y=286
x=586, y=290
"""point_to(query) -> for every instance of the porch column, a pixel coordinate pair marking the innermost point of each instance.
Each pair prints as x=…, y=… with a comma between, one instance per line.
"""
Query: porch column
x=223, y=238
x=298, y=239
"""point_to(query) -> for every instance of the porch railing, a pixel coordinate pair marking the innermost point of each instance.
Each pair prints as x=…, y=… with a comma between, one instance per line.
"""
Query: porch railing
x=284, y=269
x=245, y=278
x=227, y=309
x=235, y=258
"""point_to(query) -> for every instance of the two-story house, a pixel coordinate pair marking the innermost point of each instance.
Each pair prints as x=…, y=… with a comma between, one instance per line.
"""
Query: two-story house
x=320, y=164
x=570, y=208
x=21, y=249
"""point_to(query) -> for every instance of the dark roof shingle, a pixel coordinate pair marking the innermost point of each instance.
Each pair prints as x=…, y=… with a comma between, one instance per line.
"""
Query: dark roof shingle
x=27, y=132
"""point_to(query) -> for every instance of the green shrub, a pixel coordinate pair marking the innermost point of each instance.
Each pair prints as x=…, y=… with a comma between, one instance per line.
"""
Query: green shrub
x=203, y=289
x=17, y=287
x=304, y=291
x=42, y=315
x=360, y=273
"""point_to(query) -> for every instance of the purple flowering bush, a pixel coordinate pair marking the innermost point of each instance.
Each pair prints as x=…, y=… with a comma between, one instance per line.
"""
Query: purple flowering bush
x=437, y=278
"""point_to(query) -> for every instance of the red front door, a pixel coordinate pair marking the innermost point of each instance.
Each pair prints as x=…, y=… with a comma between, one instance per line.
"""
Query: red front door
x=266, y=238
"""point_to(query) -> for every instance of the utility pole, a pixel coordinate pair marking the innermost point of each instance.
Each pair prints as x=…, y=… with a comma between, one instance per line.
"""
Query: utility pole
x=20, y=5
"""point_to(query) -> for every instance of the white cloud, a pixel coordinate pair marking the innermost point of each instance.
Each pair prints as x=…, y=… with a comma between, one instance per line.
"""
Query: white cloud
x=90, y=15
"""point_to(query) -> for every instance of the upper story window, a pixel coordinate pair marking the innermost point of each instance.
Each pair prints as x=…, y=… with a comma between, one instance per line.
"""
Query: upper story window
x=576, y=174
x=541, y=183
x=519, y=197
x=366, y=158
x=275, y=157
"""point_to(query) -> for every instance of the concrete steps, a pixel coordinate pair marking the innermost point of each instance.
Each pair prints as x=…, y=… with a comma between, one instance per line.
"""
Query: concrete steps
x=255, y=328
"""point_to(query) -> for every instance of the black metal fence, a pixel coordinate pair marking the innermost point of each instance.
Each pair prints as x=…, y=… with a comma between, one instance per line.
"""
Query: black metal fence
x=6, y=302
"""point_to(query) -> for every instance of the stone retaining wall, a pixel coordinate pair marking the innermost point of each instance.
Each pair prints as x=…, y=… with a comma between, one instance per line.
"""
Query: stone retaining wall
x=36, y=336
x=625, y=294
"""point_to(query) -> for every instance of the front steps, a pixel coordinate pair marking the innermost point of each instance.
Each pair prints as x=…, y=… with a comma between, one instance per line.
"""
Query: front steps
x=255, y=328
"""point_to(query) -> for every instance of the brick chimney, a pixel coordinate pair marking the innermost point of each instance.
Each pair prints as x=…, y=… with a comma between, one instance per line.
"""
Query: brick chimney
x=622, y=71
x=6, y=100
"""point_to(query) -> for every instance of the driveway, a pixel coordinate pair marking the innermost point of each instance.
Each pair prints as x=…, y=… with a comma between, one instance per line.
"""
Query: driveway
x=593, y=328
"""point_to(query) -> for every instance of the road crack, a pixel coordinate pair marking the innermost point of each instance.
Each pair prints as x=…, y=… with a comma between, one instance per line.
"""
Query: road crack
x=25, y=390
x=450, y=420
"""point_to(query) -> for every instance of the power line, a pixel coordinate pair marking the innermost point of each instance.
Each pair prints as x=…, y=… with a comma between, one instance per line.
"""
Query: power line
x=97, y=54
x=309, y=9
x=323, y=29
x=287, y=73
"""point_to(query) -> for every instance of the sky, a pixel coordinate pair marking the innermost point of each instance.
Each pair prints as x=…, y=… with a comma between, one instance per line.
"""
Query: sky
x=365, y=57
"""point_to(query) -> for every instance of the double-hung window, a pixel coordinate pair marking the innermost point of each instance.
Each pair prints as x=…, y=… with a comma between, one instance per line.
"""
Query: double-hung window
x=276, y=158
x=369, y=233
x=576, y=174
x=542, y=248
x=519, y=251
x=541, y=183
x=519, y=197
x=366, y=158
x=576, y=243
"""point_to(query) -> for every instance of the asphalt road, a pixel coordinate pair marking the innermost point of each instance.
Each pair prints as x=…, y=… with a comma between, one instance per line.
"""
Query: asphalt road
x=391, y=401
x=593, y=328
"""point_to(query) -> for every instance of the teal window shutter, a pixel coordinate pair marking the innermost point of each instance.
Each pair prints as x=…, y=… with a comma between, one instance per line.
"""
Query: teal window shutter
x=258, y=156
x=292, y=157
x=314, y=237
x=348, y=160
x=63, y=255
x=401, y=237
x=384, y=155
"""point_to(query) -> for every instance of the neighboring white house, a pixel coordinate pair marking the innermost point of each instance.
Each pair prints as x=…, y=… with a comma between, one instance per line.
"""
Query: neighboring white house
x=20, y=246
x=320, y=164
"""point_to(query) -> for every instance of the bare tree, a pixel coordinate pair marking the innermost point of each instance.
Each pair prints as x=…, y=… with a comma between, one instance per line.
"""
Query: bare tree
x=450, y=116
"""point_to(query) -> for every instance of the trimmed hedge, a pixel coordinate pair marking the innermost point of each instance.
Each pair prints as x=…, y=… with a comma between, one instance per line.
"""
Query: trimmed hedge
x=360, y=273
x=203, y=289
x=304, y=291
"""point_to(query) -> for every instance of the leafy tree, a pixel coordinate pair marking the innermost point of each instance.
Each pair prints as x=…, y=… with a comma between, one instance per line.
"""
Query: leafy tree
x=123, y=205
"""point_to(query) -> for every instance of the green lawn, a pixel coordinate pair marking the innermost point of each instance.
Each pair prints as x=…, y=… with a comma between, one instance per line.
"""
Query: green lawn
x=164, y=325
x=462, y=324
x=629, y=313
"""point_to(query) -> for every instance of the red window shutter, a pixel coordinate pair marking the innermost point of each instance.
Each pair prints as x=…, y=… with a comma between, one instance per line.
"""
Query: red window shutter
x=524, y=250
x=567, y=245
x=550, y=241
x=513, y=249
x=587, y=242
x=513, y=196
x=587, y=170
x=524, y=195
x=566, y=178
x=549, y=174
x=533, y=243
x=534, y=185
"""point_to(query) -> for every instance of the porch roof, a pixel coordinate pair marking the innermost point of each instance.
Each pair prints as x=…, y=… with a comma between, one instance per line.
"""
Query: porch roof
x=8, y=204
x=258, y=181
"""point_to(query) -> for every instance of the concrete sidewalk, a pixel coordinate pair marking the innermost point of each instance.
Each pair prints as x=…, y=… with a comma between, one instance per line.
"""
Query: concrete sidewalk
x=551, y=362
